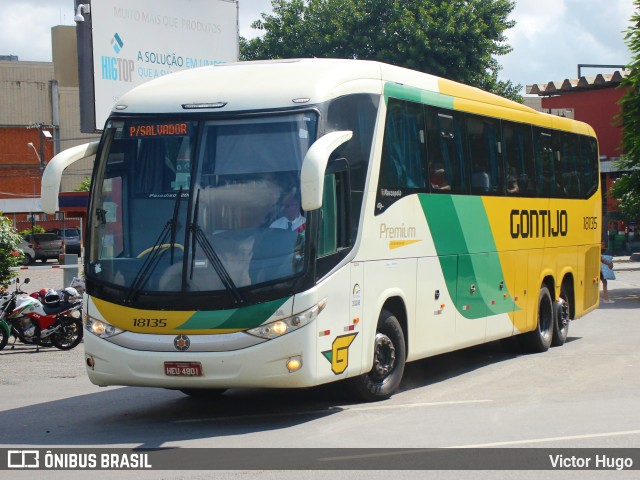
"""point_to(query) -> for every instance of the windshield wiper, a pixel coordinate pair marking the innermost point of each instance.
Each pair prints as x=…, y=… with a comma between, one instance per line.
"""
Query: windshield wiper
x=199, y=238
x=155, y=252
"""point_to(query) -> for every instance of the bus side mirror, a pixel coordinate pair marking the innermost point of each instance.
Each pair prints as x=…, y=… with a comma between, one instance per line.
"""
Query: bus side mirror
x=314, y=165
x=52, y=174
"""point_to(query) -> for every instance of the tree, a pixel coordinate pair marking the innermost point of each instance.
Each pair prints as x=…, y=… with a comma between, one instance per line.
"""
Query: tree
x=10, y=255
x=627, y=188
x=454, y=39
x=84, y=185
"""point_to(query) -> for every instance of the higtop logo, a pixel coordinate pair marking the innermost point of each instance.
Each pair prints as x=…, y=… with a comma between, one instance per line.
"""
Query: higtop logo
x=117, y=43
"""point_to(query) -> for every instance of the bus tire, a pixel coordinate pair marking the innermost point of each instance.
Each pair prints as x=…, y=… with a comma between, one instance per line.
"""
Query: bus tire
x=539, y=340
x=389, y=357
x=204, y=393
x=561, y=318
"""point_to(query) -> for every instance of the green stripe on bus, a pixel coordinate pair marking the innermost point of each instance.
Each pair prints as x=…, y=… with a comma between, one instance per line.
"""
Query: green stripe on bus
x=237, y=318
x=413, y=94
x=464, y=243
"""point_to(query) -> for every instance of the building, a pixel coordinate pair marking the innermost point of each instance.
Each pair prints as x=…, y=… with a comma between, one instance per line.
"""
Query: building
x=40, y=117
x=595, y=100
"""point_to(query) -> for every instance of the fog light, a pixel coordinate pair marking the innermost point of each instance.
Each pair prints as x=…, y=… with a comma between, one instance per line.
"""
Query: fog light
x=294, y=364
x=90, y=362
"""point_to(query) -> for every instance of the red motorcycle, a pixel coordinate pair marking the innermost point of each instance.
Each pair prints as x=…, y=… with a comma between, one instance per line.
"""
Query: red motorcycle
x=46, y=318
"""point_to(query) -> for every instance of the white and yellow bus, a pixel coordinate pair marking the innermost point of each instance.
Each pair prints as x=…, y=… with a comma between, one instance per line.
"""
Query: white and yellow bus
x=297, y=222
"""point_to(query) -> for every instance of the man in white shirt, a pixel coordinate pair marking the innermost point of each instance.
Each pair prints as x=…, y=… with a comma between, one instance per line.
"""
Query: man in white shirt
x=291, y=218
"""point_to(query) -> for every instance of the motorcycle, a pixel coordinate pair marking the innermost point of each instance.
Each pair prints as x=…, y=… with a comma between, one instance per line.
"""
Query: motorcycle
x=49, y=318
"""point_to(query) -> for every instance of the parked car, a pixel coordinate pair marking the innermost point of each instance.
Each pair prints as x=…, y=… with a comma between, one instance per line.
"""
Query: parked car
x=29, y=252
x=45, y=245
x=71, y=237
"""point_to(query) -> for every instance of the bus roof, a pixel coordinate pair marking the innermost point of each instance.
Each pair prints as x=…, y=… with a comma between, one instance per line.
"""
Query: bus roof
x=278, y=84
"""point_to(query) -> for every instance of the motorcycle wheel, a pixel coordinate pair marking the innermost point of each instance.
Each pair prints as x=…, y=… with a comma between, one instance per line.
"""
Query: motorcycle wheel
x=68, y=335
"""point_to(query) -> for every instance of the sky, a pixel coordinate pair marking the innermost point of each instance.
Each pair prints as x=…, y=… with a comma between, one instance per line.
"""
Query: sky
x=550, y=39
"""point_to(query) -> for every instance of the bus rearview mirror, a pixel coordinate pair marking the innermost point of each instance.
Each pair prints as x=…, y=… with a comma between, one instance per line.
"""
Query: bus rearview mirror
x=314, y=165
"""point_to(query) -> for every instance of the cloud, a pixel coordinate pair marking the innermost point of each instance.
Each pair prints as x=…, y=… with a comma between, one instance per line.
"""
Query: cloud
x=552, y=37
x=26, y=26
x=249, y=12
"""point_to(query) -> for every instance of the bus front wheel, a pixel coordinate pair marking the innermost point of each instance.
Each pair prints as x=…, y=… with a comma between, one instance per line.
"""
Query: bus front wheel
x=388, y=362
x=539, y=340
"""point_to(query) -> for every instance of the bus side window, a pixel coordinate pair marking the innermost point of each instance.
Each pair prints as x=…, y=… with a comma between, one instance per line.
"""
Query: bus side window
x=447, y=159
x=569, y=166
x=548, y=177
x=402, y=163
x=517, y=152
x=483, y=139
x=589, y=162
x=333, y=232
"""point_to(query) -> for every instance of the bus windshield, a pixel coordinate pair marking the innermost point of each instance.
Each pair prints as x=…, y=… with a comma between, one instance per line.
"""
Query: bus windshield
x=199, y=205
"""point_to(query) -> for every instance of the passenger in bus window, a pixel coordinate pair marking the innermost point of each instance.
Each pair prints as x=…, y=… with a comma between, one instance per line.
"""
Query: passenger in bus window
x=438, y=177
x=512, y=182
x=291, y=218
x=480, y=179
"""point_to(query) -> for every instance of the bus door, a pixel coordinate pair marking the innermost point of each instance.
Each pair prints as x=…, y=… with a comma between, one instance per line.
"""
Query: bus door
x=340, y=333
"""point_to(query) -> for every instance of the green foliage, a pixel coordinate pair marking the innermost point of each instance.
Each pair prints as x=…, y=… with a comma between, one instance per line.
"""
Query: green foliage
x=627, y=189
x=84, y=185
x=35, y=229
x=454, y=39
x=10, y=255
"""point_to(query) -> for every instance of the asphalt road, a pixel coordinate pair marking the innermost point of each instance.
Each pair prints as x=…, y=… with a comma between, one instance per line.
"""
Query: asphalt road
x=582, y=395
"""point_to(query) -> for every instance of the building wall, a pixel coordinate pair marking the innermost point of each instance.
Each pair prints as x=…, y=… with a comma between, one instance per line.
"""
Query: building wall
x=598, y=108
x=20, y=171
x=26, y=96
x=25, y=93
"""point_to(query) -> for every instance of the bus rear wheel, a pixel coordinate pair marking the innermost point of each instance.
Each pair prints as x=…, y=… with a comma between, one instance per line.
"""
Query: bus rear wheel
x=539, y=340
x=388, y=362
x=562, y=317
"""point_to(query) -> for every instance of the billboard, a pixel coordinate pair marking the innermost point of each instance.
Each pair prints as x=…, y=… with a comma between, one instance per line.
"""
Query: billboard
x=124, y=43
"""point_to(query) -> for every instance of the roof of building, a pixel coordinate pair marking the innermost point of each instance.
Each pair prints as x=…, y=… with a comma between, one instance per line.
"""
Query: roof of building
x=606, y=80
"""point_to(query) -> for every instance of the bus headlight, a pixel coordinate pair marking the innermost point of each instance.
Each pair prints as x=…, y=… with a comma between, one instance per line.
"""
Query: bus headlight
x=100, y=328
x=281, y=327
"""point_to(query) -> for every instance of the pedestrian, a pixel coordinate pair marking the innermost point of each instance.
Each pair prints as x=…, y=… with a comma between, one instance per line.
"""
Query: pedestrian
x=606, y=273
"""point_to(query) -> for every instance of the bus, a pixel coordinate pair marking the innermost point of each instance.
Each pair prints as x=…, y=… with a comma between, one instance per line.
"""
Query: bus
x=291, y=223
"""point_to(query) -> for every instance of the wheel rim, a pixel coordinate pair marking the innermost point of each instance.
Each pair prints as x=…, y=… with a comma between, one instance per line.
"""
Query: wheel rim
x=545, y=321
x=384, y=359
x=564, y=314
x=68, y=335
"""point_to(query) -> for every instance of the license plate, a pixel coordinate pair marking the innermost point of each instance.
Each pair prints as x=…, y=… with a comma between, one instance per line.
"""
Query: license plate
x=183, y=369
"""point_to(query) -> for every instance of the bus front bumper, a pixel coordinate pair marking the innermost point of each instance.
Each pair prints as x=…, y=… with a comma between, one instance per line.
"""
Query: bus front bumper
x=262, y=365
